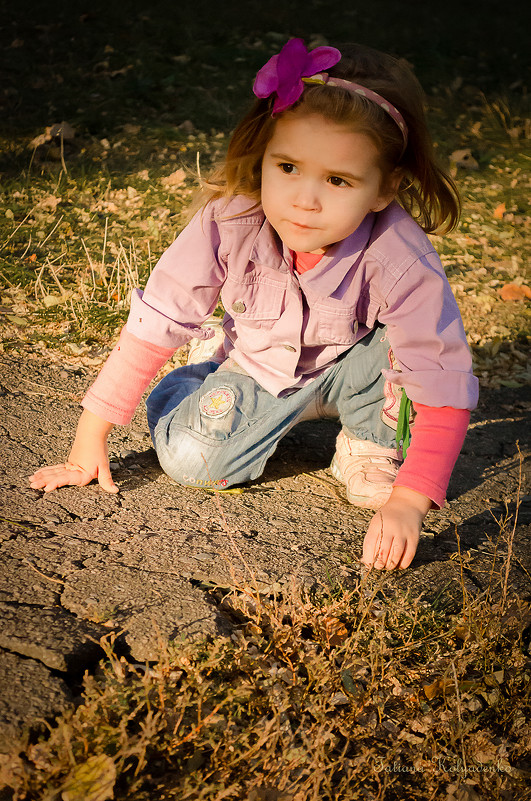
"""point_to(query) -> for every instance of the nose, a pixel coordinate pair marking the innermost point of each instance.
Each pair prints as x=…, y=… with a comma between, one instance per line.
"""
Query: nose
x=307, y=196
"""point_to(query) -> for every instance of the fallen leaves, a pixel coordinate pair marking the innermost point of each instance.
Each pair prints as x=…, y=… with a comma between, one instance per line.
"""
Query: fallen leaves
x=20, y=321
x=499, y=211
x=443, y=686
x=56, y=300
x=514, y=292
x=92, y=780
x=463, y=159
x=60, y=130
x=334, y=630
x=49, y=203
x=175, y=179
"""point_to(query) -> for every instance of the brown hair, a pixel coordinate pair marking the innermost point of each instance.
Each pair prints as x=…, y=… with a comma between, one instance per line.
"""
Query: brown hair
x=426, y=191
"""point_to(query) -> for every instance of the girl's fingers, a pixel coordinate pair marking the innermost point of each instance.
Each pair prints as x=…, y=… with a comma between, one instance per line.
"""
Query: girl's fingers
x=396, y=554
x=59, y=475
x=68, y=477
x=380, y=558
x=68, y=474
x=409, y=553
x=375, y=549
x=44, y=477
x=105, y=481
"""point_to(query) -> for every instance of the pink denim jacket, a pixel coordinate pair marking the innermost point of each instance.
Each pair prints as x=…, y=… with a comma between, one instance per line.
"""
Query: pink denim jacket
x=387, y=271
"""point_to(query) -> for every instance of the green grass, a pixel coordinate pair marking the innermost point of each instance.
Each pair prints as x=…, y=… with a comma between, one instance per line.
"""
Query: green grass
x=84, y=221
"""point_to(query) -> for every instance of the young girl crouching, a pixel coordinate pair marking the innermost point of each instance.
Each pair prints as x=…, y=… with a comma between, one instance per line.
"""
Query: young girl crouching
x=313, y=234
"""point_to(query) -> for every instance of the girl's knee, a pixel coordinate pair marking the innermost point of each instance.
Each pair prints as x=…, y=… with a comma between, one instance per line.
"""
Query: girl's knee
x=192, y=461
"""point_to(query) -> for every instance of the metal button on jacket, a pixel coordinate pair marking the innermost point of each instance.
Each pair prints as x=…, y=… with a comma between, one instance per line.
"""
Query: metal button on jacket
x=238, y=306
x=290, y=347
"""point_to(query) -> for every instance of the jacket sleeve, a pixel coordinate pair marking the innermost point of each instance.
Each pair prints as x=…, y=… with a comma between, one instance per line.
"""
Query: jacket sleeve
x=183, y=289
x=180, y=295
x=427, y=338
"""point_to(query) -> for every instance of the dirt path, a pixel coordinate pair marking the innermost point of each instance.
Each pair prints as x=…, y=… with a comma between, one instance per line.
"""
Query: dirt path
x=76, y=565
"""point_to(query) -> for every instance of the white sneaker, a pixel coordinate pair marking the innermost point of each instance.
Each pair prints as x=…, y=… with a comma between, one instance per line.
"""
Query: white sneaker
x=205, y=350
x=368, y=470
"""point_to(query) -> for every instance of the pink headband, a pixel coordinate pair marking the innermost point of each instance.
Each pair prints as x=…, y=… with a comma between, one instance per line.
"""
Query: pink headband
x=285, y=74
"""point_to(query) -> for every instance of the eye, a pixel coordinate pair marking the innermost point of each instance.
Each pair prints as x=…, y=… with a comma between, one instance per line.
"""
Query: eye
x=288, y=168
x=335, y=180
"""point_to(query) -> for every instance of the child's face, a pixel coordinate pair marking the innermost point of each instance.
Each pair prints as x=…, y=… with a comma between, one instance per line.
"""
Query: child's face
x=319, y=181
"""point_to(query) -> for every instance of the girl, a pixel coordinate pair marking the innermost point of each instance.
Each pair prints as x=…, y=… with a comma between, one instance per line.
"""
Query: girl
x=313, y=234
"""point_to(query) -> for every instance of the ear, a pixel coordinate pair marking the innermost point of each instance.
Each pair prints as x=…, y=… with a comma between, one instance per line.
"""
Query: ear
x=389, y=189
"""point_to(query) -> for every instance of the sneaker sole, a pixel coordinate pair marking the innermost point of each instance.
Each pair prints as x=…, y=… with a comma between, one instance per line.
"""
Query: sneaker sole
x=356, y=500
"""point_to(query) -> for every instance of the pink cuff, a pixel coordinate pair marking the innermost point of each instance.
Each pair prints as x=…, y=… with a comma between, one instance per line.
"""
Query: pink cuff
x=437, y=437
x=124, y=377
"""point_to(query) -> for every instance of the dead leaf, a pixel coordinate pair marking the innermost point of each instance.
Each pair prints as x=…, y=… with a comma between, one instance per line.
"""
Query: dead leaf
x=335, y=630
x=76, y=350
x=63, y=129
x=464, y=159
x=443, y=686
x=499, y=211
x=55, y=300
x=175, y=179
x=339, y=699
x=49, y=203
x=39, y=140
x=409, y=737
x=20, y=321
x=496, y=678
x=462, y=632
x=91, y=781
x=514, y=292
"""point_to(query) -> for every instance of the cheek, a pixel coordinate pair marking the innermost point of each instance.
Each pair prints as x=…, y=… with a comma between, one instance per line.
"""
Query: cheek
x=271, y=190
x=266, y=181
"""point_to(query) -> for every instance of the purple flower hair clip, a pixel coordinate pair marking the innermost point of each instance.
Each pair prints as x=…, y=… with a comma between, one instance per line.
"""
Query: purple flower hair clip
x=283, y=73
x=286, y=73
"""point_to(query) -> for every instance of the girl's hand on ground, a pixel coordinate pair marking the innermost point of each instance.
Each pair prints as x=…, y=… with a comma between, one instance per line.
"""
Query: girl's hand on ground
x=72, y=474
x=88, y=459
x=393, y=534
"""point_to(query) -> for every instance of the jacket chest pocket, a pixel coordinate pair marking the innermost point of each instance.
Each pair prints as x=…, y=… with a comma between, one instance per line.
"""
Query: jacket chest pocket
x=337, y=324
x=258, y=300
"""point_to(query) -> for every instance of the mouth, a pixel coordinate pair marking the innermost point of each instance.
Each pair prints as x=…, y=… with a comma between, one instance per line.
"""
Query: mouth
x=301, y=227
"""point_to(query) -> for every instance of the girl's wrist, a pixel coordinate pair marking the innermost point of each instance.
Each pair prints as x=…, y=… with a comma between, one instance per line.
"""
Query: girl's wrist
x=90, y=422
x=412, y=498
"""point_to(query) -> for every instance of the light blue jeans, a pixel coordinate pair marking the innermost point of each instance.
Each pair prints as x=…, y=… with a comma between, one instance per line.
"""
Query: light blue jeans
x=215, y=426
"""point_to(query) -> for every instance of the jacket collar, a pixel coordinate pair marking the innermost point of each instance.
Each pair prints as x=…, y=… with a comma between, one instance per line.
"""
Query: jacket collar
x=330, y=272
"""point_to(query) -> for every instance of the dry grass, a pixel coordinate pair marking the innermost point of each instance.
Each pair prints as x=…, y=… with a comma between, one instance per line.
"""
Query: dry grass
x=338, y=694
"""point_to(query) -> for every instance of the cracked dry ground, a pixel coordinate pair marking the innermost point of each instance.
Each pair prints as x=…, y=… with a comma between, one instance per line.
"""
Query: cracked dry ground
x=78, y=563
